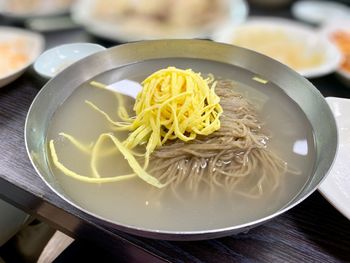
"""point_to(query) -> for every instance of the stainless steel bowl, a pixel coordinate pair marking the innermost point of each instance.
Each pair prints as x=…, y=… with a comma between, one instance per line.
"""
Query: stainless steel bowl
x=298, y=88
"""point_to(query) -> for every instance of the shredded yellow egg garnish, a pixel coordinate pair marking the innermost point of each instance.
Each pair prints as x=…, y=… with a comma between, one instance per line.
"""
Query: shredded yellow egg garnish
x=173, y=104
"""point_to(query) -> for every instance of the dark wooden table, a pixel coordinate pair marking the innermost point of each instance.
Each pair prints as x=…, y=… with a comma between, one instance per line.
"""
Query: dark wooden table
x=311, y=232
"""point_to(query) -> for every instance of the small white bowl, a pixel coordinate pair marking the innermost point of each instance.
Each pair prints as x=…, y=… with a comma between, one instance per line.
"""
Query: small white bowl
x=32, y=47
x=54, y=60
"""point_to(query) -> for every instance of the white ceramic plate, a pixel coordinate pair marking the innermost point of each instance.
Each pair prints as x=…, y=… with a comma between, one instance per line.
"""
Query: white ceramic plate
x=56, y=59
x=82, y=13
x=336, y=187
x=294, y=31
x=32, y=44
x=318, y=12
x=18, y=9
x=327, y=30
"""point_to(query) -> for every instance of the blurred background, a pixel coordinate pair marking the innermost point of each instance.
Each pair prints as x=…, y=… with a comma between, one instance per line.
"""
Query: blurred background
x=312, y=37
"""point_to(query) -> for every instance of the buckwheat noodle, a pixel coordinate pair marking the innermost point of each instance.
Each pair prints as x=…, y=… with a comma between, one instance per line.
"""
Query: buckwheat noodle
x=236, y=157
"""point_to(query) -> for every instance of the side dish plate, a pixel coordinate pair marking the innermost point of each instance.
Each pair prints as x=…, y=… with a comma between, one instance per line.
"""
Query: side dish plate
x=308, y=43
x=336, y=187
x=83, y=13
x=17, y=44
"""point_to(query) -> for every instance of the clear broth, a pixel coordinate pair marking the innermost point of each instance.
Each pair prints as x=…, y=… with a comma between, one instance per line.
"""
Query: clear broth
x=133, y=202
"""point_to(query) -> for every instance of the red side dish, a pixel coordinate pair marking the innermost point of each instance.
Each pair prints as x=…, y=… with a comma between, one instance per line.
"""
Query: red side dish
x=342, y=40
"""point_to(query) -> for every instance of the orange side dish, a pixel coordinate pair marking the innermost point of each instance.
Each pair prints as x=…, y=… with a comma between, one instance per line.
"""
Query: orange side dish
x=342, y=39
x=13, y=55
